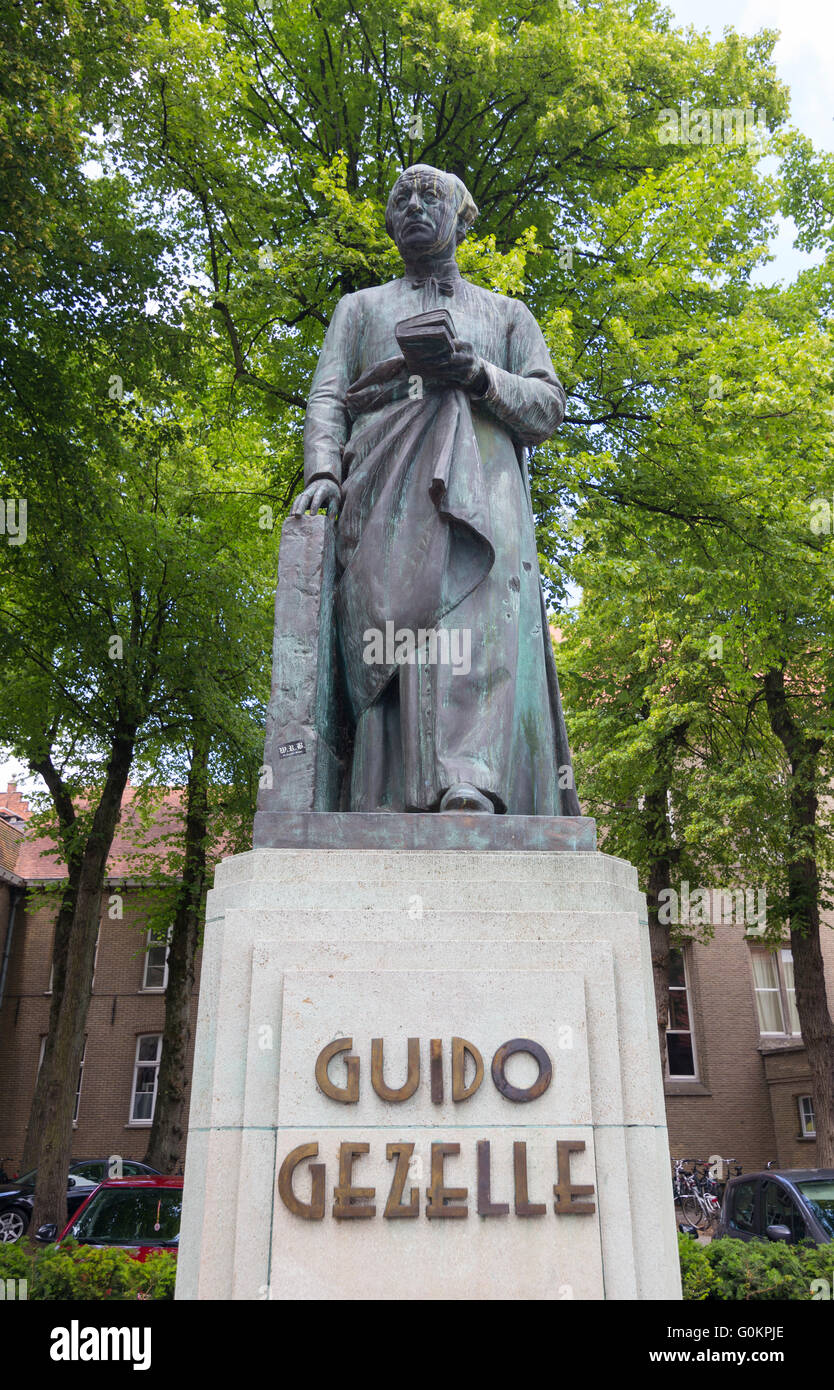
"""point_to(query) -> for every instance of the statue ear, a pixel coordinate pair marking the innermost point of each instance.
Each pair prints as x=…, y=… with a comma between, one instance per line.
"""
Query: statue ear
x=461, y=230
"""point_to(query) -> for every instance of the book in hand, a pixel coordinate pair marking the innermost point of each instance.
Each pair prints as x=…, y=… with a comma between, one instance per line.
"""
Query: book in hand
x=427, y=340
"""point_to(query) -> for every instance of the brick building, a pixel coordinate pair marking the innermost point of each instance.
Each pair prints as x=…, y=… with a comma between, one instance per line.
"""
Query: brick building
x=738, y=1083
x=117, y=1081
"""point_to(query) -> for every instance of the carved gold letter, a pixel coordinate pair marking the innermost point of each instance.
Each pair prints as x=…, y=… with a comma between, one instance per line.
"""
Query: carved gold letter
x=436, y=1070
x=562, y=1189
x=412, y=1080
x=351, y=1202
x=395, y=1210
x=541, y=1082
x=459, y=1049
x=523, y=1206
x=486, y=1206
x=349, y=1094
x=314, y=1209
x=437, y=1194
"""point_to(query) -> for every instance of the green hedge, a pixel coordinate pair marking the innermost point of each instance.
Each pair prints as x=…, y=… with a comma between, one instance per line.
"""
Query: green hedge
x=80, y=1272
x=721, y=1271
x=731, y=1270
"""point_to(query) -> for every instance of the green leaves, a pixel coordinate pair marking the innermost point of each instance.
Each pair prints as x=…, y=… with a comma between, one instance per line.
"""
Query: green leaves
x=248, y=154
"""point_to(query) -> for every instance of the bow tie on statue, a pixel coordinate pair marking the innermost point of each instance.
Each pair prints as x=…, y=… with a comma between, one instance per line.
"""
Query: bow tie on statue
x=440, y=284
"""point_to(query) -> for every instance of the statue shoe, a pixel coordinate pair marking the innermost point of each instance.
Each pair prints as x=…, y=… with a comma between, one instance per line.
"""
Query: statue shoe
x=464, y=797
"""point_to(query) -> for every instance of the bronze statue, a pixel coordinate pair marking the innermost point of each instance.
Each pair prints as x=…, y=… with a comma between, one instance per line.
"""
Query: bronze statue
x=427, y=392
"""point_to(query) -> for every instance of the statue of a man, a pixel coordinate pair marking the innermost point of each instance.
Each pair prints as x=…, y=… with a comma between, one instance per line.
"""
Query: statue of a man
x=443, y=636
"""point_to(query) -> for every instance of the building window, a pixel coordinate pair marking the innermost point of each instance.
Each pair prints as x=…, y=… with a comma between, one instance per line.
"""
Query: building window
x=78, y=1084
x=155, y=973
x=80, y=1075
x=95, y=957
x=807, y=1118
x=145, y=1078
x=775, y=993
x=680, y=1044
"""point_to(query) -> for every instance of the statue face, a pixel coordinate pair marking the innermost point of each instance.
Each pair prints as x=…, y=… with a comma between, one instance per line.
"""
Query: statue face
x=424, y=215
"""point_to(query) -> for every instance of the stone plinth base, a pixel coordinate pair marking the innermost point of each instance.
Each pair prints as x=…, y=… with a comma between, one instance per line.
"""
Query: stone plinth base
x=548, y=1180
x=387, y=830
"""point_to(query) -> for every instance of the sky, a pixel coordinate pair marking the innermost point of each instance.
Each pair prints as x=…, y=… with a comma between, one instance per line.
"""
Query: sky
x=803, y=53
x=804, y=57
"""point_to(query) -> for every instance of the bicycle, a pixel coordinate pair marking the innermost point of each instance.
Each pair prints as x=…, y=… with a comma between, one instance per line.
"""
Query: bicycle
x=717, y=1185
x=697, y=1192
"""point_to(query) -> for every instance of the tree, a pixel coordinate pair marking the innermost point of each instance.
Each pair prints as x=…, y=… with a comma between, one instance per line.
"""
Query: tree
x=166, y=1142
x=162, y=323
x=723, y=606
x=275, y=135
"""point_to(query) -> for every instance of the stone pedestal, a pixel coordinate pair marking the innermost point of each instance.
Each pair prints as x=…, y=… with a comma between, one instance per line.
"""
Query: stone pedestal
x=545, y=950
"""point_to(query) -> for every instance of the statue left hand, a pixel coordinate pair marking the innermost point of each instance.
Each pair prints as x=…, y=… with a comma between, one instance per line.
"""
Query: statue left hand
x=320, y=494
x=464, y=368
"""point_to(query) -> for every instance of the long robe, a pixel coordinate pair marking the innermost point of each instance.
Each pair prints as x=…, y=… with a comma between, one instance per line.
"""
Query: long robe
x=436, y=532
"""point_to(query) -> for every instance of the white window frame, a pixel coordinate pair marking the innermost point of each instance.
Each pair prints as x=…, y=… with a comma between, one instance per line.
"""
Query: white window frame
x=95, y=957
x=687, y=991
x=778, y=955
x=150, y=942
x=77, y=1105
x=807, y=1118
x=137, y=1063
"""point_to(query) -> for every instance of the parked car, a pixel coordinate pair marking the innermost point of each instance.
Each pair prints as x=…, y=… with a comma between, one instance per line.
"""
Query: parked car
x=17, y=1198
x=790, y=1204
x=137, y=1214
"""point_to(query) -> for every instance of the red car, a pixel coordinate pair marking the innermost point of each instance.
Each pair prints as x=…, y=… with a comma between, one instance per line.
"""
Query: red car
x=135, y=1214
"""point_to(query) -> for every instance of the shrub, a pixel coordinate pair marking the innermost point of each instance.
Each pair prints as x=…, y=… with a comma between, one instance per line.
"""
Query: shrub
x=16, y=1263
x=729, y=1270
x=696, y=1274
x=819, y=1264
x=756, y=1269
x=81, y=1273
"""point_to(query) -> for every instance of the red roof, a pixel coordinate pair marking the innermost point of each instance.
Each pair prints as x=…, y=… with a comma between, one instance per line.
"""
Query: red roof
x=138, y=850
x=11, y=841
x=14, y=802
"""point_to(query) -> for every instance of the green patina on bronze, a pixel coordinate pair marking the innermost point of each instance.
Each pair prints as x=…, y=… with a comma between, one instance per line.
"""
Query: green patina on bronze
x=426, y=471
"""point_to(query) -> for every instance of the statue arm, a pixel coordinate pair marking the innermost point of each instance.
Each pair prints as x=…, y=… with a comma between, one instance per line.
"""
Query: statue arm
x=327, y=423
x=527, y=397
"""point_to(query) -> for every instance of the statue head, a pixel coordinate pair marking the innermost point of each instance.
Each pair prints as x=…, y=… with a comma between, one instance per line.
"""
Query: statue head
x=429, y=212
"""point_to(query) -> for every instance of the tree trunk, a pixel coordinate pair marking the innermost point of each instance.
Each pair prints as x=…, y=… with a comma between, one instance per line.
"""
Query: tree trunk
x=659, y=878
x=664, y=856
x=166, y=1145
x=54, y=1153
x=817, y=1035
x=60, y=955
x=804, y=910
